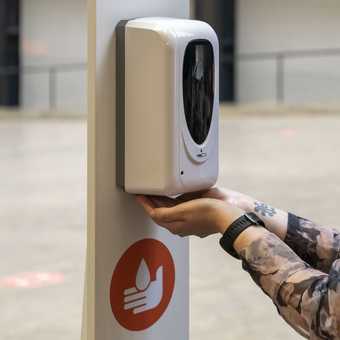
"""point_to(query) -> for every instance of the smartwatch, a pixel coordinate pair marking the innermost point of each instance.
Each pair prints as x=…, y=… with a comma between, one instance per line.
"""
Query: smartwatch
x=235, y=229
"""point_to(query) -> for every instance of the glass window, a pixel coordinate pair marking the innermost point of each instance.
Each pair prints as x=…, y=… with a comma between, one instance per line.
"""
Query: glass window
x=198, y=88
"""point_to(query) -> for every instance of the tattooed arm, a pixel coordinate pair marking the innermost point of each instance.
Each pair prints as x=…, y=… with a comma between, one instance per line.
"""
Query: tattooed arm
x=317, y=245
x=275, y=220
x=308, y=299
x=293, y=274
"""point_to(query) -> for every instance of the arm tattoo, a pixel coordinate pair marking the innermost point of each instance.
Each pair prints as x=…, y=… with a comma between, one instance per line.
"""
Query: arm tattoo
x=264, y=209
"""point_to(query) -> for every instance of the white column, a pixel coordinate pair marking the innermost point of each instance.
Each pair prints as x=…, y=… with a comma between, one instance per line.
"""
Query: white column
x=115, y=221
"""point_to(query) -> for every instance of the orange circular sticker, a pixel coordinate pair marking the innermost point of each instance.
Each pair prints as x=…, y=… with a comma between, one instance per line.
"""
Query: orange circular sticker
x=142, y=284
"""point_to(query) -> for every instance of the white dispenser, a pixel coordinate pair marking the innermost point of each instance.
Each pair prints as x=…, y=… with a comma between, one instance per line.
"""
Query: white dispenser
x=167, y=105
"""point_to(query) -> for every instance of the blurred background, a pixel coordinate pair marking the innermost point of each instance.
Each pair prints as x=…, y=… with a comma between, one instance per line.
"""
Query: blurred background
x=280, y=106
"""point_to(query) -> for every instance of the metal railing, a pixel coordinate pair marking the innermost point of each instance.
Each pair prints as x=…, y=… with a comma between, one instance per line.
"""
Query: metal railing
x=50, y=70
x=280, y=58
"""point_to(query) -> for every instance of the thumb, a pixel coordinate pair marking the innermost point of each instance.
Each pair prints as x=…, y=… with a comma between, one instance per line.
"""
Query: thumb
x=167, y=215
x=159, y=274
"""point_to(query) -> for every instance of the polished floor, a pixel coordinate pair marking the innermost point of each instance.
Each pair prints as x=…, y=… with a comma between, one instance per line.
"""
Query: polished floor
x=289, y=161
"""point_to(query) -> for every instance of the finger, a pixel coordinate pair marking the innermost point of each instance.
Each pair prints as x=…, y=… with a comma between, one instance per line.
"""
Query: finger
x=167, y=215
x=191, y=195
x=135, y=304
x=146, y=203
x=159, y=274
x=130, y=291
x=140, y=309
x=176, y=228
x=214, y=192
x=184, y=233
x=204, y=235
x=172, y=227
x=162, y=201
x=134, y=297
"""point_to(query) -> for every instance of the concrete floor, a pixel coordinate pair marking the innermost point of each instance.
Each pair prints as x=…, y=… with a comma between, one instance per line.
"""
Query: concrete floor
x=42, y=219
x=289, y=161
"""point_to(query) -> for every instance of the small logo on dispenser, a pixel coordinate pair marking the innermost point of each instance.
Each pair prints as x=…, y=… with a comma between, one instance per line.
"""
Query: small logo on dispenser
x=202, y=154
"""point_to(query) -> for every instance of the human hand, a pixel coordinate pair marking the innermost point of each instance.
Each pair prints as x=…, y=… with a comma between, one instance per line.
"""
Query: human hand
x=232, y=197
x=197, y=216
x=276, y=220
x=141, y=300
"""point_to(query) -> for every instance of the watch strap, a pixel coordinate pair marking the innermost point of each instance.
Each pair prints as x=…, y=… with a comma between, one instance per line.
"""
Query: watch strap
x=235, y=229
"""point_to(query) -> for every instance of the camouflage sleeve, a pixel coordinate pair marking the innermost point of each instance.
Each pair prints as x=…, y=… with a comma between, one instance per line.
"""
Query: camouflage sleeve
x=318, y=246
x=308, y=299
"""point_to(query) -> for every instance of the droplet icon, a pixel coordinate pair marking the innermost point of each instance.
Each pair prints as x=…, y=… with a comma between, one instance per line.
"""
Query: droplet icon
x=143, y=276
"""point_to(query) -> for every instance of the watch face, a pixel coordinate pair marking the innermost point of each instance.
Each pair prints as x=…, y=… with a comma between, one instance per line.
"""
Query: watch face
x=198, y=88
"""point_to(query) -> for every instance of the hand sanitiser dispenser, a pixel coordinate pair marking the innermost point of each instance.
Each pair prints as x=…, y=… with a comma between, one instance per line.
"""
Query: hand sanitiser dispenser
x=167, y=105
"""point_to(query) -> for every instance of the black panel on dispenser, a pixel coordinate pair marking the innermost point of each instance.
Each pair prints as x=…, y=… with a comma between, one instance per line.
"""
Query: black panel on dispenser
x=198, y=88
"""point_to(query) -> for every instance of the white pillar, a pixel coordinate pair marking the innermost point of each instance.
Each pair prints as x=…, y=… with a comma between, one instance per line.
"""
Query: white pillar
x=115, y=221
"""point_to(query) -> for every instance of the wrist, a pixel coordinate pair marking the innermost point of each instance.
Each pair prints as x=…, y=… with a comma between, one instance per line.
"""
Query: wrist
x=248, y=236
x=243, y=202
x=247, y=204
x=245, y=224
x=227, y=218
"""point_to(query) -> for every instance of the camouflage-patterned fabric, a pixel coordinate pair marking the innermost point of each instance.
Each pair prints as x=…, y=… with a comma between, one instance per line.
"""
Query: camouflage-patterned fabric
x=318, y=246
x=301, y=276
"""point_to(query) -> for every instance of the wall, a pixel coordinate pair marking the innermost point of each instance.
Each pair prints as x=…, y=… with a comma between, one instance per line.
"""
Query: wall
x=273, y=26
x=53, y=33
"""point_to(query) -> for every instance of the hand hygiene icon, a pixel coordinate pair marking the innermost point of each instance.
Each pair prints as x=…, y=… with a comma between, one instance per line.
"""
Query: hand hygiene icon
x=142, y=284
x=146, y=294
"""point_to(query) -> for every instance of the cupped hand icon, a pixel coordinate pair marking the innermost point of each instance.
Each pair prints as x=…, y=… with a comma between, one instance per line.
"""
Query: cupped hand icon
x=143, y=300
